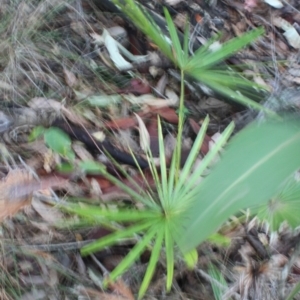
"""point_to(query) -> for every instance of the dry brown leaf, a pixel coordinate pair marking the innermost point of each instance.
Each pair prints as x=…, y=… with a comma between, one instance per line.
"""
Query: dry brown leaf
x=16, y=190
x=120, y=288
x=168, y=114
x=144, y=134
x=70, y=78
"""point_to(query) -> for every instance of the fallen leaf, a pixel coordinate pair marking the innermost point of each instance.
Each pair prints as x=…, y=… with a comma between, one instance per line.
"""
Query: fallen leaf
x=274, y=3
x=144, y=134
x=205, y=145
x=290, y=32
x=168, y=114
x=152, y=128
x=120, y=288
x=137, y=87
x=70, y=78
x=16, y=190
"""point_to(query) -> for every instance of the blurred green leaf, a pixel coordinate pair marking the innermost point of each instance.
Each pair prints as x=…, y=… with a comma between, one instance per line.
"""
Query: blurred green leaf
x=178, y=53
x=294, y=292
x=135, y=253
x=103, y=100
x=65, y=168
x=191, y=258
x=153, y=262
x=284, y=207
x=219, y=239
x=59, y=142
x=203, y=60
x=91, y=167
x=219, y=284
x=121, y=215
x=36, y=132
x=203, y=64
x=242, y=178
x=169, y=244
x=114, y=238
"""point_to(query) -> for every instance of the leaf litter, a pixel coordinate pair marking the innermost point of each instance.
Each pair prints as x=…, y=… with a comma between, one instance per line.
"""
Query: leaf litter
x=55, y=70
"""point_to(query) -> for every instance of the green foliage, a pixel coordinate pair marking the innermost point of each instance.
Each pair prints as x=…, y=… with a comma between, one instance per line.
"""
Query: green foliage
x=91, y=167
x=257, y=162
x=283, y=207
x=184, y=209
x=36, y=132
x=218, y=283
x=294, y=292
x=154, y=225
x=59, y=142
x=203, y=64
x=219, y=239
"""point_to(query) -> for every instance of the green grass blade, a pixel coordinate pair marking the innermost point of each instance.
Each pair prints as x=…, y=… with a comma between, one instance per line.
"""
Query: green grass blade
x=114, y=238
x=186, y=171
x=163, y=168
x=257, y=161
x=134, y=254
x=172, y=177
x=207, y=160
x=294, y=292
x=148, y=187
x=98, y=213
x=218, y=284
x=136, y=196
x=156, y=177
x=230, y=79
x=177, y=49
x=211, y=58
x=130, y=191
x=228, y=86
x=186, y=41
x=169, y=244
x=153, y=262
x=145, y=23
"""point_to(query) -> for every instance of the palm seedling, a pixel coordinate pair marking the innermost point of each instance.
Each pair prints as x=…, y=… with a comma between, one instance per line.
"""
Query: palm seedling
x=180, y=212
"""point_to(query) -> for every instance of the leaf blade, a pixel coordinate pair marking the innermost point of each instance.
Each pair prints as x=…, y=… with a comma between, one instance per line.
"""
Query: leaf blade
x=223, y=192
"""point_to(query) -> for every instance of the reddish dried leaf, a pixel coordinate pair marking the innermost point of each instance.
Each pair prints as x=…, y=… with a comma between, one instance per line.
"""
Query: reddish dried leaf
x=205, y=145
x=153, y=132
x=168, y=114
x=103, y=183
x=137, y=87
x=123, y=123
x=128, y=122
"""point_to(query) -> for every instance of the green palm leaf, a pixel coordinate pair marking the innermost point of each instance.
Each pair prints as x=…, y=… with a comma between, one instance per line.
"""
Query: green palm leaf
x=242, y=178
x=153, y=261
x=283, y=207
